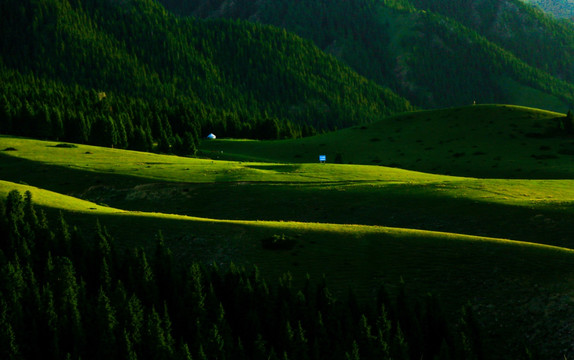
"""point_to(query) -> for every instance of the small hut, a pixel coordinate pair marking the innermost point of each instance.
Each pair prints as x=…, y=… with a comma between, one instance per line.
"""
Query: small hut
x=211, y=136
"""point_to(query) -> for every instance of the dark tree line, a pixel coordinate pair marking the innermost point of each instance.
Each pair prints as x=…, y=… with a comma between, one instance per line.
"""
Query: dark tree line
x=63, y=295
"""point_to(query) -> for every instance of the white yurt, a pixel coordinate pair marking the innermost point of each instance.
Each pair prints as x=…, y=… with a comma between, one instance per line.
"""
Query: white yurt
x=211, y=136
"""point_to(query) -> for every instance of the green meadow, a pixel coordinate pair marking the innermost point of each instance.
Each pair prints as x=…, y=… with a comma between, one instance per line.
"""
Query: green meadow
x=473, y=204
x=487, y=141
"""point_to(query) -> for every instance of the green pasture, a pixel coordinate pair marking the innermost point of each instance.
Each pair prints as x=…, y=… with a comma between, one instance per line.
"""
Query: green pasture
x=487, y=141
x=527, y=210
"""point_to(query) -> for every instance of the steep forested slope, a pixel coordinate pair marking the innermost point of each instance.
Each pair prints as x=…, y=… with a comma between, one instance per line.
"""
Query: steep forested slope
x=435, y=59
x=130, y=74
x=527, y=32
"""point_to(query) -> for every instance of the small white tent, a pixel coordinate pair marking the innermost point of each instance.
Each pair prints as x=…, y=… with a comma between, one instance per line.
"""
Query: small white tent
x=211, y=136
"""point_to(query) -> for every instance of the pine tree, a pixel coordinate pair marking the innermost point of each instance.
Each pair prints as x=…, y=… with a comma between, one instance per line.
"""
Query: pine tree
x=105, y=324
x=9, y=348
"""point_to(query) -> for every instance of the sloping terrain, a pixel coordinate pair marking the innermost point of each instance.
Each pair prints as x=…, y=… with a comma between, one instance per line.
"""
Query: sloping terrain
x=503, y=279
x=132, y=75
x=489, y=141
x=435, y=53
x=558, y=8
x=353, y=223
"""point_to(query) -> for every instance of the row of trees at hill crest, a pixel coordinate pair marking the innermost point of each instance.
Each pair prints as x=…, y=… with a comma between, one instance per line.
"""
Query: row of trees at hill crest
x=168, y=80
x=66, y=296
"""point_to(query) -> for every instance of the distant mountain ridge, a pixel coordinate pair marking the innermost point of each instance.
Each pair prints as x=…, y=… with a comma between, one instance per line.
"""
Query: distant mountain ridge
x=559, y=8
x=435, y=53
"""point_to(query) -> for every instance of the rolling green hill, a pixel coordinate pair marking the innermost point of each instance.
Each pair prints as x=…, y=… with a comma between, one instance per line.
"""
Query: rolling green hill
x=450, y=56
x=489, y=141
x=354, y=223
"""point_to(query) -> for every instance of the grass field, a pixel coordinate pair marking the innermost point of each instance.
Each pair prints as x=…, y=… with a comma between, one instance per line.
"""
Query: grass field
x=488, y=141
x=493, y=236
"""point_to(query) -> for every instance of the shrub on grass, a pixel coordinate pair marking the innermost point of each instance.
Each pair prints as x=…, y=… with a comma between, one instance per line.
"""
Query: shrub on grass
x=66, y=146
x=278, y=242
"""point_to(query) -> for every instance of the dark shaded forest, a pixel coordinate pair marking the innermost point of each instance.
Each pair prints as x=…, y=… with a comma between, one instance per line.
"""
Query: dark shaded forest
x=65, y=295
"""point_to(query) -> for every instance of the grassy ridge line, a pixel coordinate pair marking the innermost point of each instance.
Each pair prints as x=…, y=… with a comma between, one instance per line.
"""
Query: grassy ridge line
x=485, y=141
x=147, y=166
x=49, y=199
x=174, y=168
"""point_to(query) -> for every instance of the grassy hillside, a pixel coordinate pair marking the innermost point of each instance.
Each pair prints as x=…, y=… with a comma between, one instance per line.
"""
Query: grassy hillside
x=327, y=193
x=491, y=141
x=360, y=224
x=502, y=278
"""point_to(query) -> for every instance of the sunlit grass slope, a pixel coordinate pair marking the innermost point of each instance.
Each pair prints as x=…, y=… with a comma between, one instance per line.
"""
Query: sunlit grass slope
x=494, y=141
x=501, y=277
x=527, y=210
x=173, y=168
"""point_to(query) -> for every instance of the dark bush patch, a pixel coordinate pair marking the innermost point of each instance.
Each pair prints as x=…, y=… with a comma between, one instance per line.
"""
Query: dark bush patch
x=544, y=156
x=10, y=149
x=88, y=153
x=278, y=242
x=544, y=148
x=298, y=156
x=66, y=146
x=375, y=139
x=457, y=155
x=479, y=153
x=363, y=127
x=376, y=161
x=566, y=151
x=536, y=135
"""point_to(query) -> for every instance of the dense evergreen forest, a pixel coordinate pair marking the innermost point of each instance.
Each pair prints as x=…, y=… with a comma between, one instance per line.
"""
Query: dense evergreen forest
x=531, y=35
x=63, y=295
x=450, y=56
x=130, y=74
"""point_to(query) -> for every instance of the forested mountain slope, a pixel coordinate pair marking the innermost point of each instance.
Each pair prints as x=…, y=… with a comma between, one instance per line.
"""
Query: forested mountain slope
x=435, y=59
x=129, y=74
x=536, y=38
